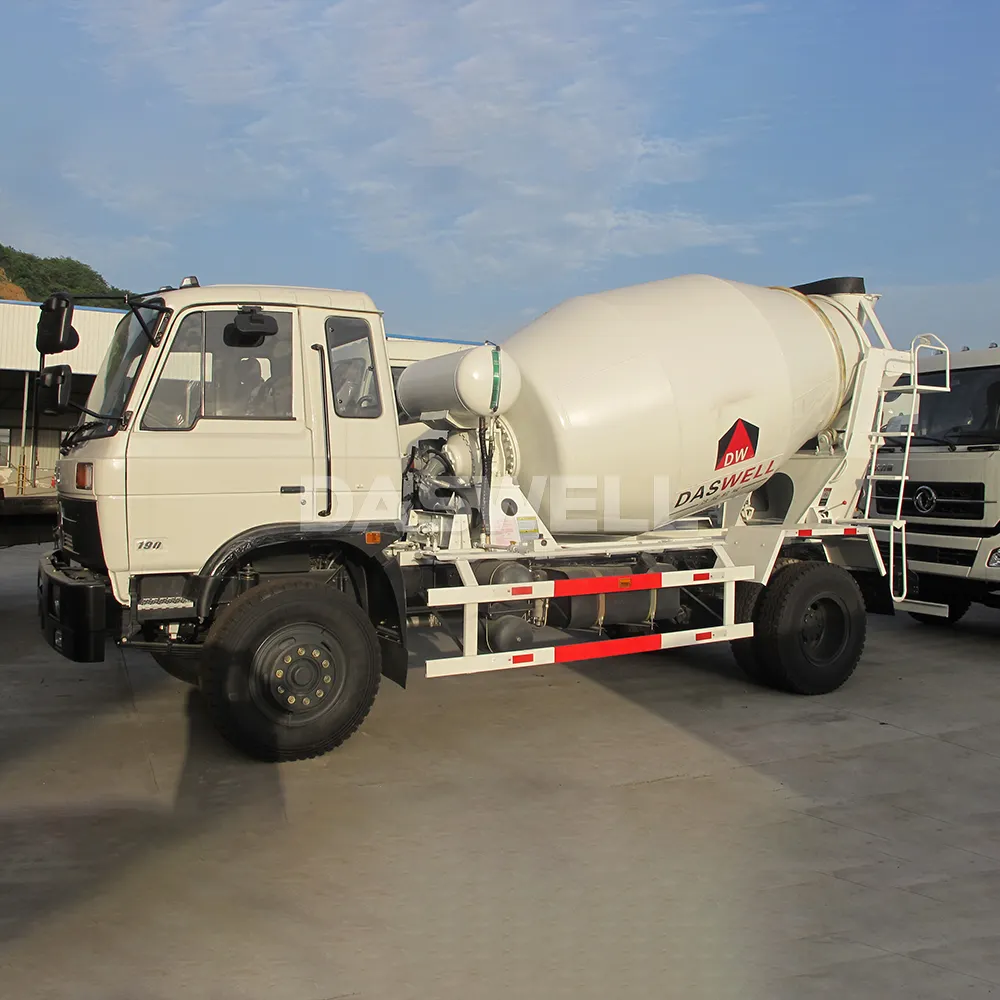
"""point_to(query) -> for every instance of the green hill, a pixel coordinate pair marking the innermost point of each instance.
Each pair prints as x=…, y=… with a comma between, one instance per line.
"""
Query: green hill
x=41, y=276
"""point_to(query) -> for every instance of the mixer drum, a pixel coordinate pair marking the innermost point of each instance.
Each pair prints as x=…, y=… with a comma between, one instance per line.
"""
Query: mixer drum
x=644, y=404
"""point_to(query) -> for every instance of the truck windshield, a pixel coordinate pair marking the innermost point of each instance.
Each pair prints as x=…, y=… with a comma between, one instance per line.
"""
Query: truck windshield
x=968, y=414
x=116, y=376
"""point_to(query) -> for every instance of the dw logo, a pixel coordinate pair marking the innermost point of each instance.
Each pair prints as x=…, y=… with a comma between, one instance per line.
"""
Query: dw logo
x=737, y=445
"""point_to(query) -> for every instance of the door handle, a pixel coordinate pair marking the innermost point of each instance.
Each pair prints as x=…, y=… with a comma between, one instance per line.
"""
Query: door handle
x=293, y=489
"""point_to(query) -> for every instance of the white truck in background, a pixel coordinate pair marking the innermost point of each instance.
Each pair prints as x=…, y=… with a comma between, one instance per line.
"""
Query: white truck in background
x=951, y=494
x=287, y=577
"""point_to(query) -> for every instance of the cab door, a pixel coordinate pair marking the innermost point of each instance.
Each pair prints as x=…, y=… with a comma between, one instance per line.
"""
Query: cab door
x=361, y=428
x=220, y=444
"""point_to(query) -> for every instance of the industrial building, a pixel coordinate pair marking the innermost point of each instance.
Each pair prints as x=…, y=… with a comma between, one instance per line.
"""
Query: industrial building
x=33, y=463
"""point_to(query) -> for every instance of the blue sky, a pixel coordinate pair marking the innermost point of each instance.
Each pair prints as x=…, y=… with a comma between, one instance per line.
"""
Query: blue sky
x=471, y=164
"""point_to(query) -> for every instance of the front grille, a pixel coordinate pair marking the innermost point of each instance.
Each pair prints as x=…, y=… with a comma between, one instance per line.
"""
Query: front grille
x=959, y=501
x=81, y=532
x=931, y=554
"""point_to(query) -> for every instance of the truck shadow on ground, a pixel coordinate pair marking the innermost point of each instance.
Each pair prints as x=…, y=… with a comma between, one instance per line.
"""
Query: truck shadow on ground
x=904, y=668
x=57, y=857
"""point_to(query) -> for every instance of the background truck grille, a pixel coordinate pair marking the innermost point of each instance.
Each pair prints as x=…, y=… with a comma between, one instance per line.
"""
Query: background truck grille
x=960, y=501
x=930, y=554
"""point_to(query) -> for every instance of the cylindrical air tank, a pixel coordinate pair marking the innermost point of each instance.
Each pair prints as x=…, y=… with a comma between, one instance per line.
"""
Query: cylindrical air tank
x=458, y=388
x=645, y=404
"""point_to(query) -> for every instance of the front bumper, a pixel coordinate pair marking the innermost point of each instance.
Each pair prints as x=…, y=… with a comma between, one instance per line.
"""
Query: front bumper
x=72, y=609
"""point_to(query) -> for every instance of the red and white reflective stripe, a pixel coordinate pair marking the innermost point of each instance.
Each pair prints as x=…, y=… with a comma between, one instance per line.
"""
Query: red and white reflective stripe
x=574, y=652
x=484, y=594
x=809, y=532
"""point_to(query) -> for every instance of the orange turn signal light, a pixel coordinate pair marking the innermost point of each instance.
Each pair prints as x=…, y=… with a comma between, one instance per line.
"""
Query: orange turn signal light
x=84, y=475
x=373, y=537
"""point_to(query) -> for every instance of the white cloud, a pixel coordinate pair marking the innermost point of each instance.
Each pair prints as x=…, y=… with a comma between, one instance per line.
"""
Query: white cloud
x=470, y=136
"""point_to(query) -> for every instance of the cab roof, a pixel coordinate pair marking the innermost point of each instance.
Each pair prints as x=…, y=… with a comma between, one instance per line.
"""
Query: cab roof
x=274, y=295
x=986, y=357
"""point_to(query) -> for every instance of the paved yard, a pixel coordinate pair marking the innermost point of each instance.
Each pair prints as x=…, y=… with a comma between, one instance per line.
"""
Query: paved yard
x=649, y=827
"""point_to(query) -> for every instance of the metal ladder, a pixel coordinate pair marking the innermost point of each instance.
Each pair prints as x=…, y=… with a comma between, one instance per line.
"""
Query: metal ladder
x=877, y=437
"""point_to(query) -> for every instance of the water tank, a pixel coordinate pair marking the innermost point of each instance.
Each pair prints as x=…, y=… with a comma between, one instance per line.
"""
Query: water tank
x=460, y=387
x=654, y=402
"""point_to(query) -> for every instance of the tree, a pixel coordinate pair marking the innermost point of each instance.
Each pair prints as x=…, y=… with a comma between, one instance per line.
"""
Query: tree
x=39, y=277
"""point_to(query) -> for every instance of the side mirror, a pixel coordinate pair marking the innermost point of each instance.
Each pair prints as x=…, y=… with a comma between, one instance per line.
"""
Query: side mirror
x=55, y=332
x=249, y=328
x=55, y=388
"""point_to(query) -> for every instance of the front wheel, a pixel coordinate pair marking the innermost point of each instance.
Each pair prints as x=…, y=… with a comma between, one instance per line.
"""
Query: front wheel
x=181, y=666
x=957, y=609
x=810, y=627
x=290, y=670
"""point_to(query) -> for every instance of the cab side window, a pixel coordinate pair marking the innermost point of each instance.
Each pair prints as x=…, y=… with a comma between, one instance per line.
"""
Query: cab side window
x=208, y=374
x=352, y=368
x=248, y=383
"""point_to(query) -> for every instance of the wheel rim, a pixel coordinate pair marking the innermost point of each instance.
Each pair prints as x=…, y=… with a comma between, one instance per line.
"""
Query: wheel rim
x=825, y=630
x=298, y=674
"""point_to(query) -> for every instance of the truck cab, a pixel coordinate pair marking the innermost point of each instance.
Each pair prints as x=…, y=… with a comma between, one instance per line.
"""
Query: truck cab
x=205, y=428
x=952, y=485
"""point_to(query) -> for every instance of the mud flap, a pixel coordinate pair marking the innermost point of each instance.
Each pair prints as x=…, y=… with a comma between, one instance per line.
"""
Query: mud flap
x=876, y=591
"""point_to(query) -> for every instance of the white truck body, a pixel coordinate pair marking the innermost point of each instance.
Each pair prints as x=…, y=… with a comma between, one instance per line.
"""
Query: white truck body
x=251, y=522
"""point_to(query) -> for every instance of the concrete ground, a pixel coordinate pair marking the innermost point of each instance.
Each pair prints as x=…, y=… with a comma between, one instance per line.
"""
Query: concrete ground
x=648, y=827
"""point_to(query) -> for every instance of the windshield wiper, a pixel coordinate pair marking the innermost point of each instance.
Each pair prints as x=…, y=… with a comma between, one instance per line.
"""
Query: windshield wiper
x=925, y=437
x=104, y=420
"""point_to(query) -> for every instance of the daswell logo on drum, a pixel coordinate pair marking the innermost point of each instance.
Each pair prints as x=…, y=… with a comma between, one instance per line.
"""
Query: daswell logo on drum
x=738, y=444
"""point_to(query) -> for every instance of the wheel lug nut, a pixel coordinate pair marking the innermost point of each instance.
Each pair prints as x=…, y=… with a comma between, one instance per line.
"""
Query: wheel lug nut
x=291, y=699
x=288, y=659
x=281, y=690
x=305, y=701
x=319, y=692
x=316, y=653
x=301, y=651
x=327, y=679
x=326, y=664
x=279, y=673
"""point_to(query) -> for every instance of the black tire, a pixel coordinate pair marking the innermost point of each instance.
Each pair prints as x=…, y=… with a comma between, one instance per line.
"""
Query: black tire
x=182, y=666
x=810, y=628
x=745, y=651
x=957, y=609
x=285, y=642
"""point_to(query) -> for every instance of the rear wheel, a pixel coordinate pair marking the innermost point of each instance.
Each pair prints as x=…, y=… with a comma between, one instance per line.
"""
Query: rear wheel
x=745, y=651
x=809, y=629
x=290, y=670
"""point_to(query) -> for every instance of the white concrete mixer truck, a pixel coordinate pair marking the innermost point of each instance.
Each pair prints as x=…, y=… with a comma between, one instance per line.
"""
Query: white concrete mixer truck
x=263, y=539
